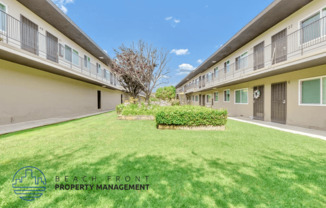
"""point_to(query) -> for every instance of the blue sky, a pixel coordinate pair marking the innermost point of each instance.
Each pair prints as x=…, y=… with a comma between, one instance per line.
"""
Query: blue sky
x=191, y=30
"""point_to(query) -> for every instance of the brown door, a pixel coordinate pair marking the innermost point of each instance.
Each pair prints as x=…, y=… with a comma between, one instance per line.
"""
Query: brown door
x=199, y=99
x=259, y=102
x=29, y=35
x=279, y=102
x=279, y=47
x=51, y=47
x=203, y=100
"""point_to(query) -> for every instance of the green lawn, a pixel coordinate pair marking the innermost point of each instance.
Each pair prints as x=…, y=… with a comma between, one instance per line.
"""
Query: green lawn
x=244, y=166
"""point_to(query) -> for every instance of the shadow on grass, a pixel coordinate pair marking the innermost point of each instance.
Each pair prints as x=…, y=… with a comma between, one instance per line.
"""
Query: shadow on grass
x=274, y=180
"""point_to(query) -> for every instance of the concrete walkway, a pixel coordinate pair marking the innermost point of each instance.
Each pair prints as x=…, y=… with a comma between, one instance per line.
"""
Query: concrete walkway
x=282, y=127
x=5, y=129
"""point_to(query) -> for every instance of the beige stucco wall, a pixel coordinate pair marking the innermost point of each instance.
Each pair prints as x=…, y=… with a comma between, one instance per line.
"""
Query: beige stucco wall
x=29, y=94
x=291, y=23
x=16, y=9
x=300, y=115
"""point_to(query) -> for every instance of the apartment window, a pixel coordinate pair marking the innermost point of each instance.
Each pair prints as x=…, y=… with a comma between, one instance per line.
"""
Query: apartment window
x=75, y=57
x=324, y=20
x=87, y=62
x=115, y=80
x=241, y=96
x=196, y=97
x=241, y=62
x=215, y=96
x=3, y=17
x=111, y=78
x=98, y=68
x=68, y=53
x=193, y=98
x=208, y=98
x=216, y=72
x=226, y=66
x=104, y=73
x=313, y=91
x=61, y=50
x=310, y=28
x=227, y=96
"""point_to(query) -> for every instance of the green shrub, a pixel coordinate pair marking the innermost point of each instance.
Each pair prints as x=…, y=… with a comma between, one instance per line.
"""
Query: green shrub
x=154, y=99
x=191, y=116
x=119, y=108
x=175, y=102
x=143, y=109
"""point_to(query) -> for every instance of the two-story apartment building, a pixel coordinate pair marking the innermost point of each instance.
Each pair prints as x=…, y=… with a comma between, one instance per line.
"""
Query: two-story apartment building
x=273, y=69
x=49, y=67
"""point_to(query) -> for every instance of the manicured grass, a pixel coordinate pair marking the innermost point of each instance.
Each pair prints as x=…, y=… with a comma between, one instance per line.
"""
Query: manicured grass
x=244, y=166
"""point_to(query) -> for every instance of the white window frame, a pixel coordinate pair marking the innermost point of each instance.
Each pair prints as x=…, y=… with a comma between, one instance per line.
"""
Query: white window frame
x=218, y=95
x=217, y=70
x=227, y=66
x=88, y=61
x=72, y=57
x=5, y=31
x=70, y=61
x=235, y=98
x=321, y=91
x=224, y=96
x=320, y=11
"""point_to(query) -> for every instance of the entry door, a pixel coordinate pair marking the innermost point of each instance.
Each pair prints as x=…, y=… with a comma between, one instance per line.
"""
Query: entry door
x=279, y=47
x=51, y=47
x=279, y=102
x=99, y=100
x=203, y=100
x=259, y=102
x=199, y=99
x=29, y=35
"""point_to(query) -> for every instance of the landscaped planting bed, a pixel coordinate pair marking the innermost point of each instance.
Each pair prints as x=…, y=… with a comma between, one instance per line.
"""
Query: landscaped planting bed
x=175, y=117
x=191, y=117
x=137, y=111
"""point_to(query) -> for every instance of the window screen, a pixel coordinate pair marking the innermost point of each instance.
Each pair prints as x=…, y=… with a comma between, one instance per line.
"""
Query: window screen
x=310, y=92
x=310, y=28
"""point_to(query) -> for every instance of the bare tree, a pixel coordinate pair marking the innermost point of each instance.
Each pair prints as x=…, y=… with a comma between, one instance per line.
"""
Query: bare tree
x=141, y=68
x=125, y=65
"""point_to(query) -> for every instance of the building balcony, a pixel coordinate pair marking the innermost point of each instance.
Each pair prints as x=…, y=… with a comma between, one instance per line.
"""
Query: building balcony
x=301, y=49
x=21, y=43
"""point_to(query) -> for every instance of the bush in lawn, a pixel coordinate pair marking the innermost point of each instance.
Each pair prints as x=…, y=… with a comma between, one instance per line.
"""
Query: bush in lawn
x=191, y=116
x=142, y=109
x=119, y=108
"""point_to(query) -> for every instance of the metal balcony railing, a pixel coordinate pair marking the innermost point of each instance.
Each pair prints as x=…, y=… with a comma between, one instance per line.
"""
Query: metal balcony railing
x=25, y=35
x=307, y=40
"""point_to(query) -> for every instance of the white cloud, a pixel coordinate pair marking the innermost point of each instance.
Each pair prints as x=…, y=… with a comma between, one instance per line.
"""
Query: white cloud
x=176, y=21
x=168, y=18
x=180, y=52
x=199, y=61
x=185, y=69
x=62, y=4
x=173, y=21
